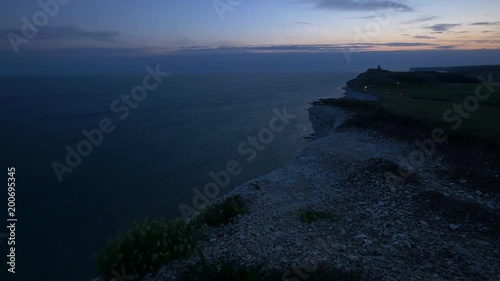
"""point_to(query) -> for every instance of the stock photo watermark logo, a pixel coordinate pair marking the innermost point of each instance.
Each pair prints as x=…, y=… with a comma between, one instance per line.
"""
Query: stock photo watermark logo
x=248, y=149
x=223, y=6
x=94, y=137
x=371, y=29
x=40, y=19
x=453, y=116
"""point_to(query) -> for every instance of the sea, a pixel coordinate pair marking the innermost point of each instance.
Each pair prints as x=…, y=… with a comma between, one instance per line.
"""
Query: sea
x=89, y=161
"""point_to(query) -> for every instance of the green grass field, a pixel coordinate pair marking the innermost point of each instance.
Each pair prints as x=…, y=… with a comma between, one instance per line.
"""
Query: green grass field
x=428, y=96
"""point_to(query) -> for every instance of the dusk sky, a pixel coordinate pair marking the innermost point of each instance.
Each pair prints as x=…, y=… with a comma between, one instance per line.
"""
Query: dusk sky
x=167, y=28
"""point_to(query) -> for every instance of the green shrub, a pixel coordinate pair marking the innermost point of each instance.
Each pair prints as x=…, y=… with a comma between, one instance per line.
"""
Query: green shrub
x=221, y=213
x=146, y=247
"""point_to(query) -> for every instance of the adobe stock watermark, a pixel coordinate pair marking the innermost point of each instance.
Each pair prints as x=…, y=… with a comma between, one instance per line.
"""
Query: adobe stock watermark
x=248, y=149
x=94, y=137
x=40, y=19
x=453, y=116
x=223, y=6
x=371, y=29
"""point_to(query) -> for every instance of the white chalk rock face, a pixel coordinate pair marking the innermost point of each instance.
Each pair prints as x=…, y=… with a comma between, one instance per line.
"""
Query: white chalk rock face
x=325, y=119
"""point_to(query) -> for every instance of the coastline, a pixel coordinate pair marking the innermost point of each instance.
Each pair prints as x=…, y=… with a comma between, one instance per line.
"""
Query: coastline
x=431, y=224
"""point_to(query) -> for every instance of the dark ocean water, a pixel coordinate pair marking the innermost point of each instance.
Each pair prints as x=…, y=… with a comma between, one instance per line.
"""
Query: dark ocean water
x=190, y=125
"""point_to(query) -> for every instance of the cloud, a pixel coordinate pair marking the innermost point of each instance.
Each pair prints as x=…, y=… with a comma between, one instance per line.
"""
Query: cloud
x=487, y=23
x=264, y=49
x=303, y=23
x=423, y=37
x=362, y=5
x=405, y=44
x=443, y=27
x=485, y=41
x=447, y=47
x=67, y=32
x=297, y=48
x=417, y=20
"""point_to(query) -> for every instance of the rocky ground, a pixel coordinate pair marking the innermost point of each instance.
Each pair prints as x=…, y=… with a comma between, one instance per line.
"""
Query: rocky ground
x=389, y=221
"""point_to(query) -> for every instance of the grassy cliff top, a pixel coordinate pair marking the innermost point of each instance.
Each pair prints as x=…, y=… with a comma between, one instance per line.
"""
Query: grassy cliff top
x=454, y=101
